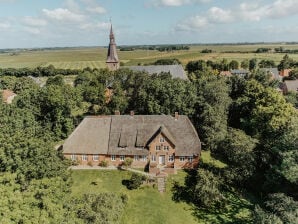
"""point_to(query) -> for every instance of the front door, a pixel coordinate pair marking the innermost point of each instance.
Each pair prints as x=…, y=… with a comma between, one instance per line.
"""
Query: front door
x=162, y=160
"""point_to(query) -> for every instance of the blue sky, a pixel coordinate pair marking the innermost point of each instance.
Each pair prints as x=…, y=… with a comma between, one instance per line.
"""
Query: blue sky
x=41, y=23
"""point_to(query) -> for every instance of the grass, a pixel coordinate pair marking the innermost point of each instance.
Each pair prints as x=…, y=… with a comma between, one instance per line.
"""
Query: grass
x=207, y=158
x=79, y=58
x=146, y=205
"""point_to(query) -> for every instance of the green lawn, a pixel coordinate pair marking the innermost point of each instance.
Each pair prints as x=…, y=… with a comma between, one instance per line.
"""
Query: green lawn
x=147, y=205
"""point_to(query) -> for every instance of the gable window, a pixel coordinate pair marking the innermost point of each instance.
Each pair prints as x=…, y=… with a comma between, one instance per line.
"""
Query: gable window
x=73, y=157
x=95, y=157
x=161, y=139
x=84, y=157
x=122, y=158
x=153, y=158
x=166, y=147
x=157, y=147
x=181, y=158
x=171, y=158
x=113, y=157
x=190, y=159
x=136, y=158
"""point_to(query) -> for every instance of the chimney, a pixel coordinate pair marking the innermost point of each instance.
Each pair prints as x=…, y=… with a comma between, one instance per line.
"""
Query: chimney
x=132, y=113
x=117, y=112
x=176, y=115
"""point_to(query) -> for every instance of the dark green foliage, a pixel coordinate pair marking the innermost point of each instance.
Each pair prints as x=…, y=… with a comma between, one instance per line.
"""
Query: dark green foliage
x=206, y=51
x=135, y=181
x=234, y=64
x=266, y=64
x=263, y=50
x=252, y=64
x=286, y=63
x=103, y=208
x=172, y=61
x=56, y=80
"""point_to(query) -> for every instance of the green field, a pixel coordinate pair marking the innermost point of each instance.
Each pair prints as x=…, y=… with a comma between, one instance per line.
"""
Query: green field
x=79, y=58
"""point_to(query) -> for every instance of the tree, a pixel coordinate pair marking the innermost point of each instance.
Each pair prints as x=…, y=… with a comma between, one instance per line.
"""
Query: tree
x=234, y=64
x=206, y=192
x=171, y=61
x=245, y=64
x=285, y=63
x=252, y=64
x=135, y=181
x=266, y=64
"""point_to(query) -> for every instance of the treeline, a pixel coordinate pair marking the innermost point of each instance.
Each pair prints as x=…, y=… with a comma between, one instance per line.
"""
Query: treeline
x=155, y=47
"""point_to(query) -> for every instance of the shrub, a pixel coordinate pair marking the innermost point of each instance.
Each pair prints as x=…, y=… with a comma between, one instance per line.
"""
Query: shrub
x=135, y=181
x=74, y=162
x=90, y=163
x=103, y=163
x=127, y=162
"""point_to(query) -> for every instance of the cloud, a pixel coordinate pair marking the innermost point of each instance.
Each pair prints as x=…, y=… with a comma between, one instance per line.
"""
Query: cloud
x=92, y=26
x=72, y=5
x=4, y=25
x=159, y=3
x=32, y=21
x=64, y=15
x=32, y=30
x=97, y=10
x=252, y=12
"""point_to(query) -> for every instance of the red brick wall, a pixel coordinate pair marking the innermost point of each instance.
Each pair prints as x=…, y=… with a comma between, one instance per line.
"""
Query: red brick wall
x=89, y=159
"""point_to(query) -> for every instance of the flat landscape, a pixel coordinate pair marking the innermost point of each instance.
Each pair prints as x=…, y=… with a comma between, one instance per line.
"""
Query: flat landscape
x=94, y=57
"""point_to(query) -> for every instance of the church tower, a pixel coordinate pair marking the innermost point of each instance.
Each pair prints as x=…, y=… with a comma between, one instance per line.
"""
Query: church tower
x=112, y=58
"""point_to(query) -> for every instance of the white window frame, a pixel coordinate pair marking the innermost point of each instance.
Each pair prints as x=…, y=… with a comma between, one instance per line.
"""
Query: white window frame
x=144, y=158
x=190, y=159
x=122, y=158
x=73, y=157
x=166, y=148
x=157, y=148
x=136, y=158
x=95, y=157
x=171, y=158
x=153, y=158
x=162, y=140
x=84, y=157
x=182, y=158
x=113, y=157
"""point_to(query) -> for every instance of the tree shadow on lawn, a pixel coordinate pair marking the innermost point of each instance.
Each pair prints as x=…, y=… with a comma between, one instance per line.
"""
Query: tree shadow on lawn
x=234, y=210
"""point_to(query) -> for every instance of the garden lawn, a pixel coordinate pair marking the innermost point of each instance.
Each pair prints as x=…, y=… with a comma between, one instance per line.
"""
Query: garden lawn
x=147, y=205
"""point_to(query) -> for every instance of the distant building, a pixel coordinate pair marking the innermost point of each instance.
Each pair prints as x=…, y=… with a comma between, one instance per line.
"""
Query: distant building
x=290, y=85
x=176, y=71
x=285, y=72
x=239, y=72
x=162, y=142
x=112, y=58
x=225, y=73
x=273, y=72
x=8, y=96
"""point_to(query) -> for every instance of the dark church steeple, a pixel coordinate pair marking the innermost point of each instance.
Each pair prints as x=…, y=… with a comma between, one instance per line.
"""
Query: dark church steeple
x=112, y=58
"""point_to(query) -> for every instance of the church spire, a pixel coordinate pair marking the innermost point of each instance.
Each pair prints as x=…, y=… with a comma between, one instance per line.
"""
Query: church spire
x=112, y=57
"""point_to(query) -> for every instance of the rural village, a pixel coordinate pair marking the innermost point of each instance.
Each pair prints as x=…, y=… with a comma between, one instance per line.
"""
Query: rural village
x=176, y=133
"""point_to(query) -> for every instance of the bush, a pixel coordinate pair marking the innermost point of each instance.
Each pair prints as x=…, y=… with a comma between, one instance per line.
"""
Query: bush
x=127, y=162
x=135, y=181
x=103, y=163
x=90, y=163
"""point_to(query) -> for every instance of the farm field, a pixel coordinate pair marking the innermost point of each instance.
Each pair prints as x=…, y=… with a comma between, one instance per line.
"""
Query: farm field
x=79, y=58
x=146, y=205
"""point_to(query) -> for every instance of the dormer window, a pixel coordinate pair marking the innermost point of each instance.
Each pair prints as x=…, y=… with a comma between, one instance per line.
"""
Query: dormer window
x=161, y=140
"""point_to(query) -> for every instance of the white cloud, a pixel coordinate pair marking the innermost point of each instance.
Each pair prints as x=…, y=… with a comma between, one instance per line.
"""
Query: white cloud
x=244, y=12
x=65, y=15
x=72, y=5
x=4, y=25
x=98, y=10
x=92, y=26
x=32, y=30
x=158, y=3
x=32, y=21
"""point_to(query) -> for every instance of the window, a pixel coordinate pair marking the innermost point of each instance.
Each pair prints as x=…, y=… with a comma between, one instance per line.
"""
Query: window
x=95, y=157
x=181, y=158
x=113, y=157
x=157, y=147
x=84, y=157
x=122, y=158
x=136, y=158
x=166, y=147
x=161, y=139
x=153, y=158
x=144, y=158
x=190, y=159
x=171, y=158
x=73, y=157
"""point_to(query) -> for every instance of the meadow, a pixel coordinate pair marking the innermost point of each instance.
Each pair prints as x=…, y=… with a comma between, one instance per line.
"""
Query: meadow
x=94, y=57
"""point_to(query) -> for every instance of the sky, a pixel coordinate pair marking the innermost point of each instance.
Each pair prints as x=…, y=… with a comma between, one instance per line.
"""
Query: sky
x=68, y=23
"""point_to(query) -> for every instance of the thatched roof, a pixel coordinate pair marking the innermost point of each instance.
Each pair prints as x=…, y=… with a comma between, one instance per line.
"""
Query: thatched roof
x=176, y=71
x=291, y=85
x=131, y=135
